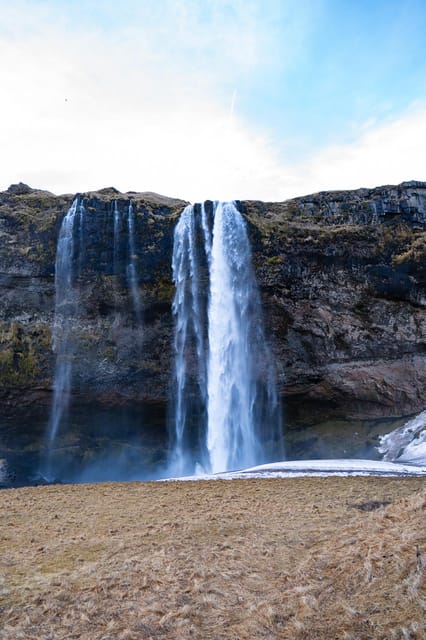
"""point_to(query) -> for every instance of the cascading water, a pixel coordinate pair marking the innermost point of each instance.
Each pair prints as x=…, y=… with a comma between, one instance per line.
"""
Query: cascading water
x=219, y=341
x=66, y=305
x=131, y=267
x=189, y=274
x=116, y=246
x=73, y=254
x=237, y=350
x=226, y=409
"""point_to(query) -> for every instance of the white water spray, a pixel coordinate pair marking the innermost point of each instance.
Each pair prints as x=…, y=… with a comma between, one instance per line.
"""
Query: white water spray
x=131, y=266
x=232, y=440
x=66, y=305
x=223, y=372
x=116, y=245
x=190, y=338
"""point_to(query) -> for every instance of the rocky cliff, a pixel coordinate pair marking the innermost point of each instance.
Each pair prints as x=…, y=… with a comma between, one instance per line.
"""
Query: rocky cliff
x=342, y=278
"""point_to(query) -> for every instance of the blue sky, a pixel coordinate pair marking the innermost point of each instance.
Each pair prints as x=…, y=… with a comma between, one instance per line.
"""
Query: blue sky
x=212, y=99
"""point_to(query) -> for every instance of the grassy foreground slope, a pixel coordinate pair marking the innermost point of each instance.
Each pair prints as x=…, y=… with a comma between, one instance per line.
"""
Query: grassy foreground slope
x=320, y=558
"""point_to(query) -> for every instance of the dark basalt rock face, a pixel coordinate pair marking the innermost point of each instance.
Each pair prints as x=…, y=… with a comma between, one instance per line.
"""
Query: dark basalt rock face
x=342, y=278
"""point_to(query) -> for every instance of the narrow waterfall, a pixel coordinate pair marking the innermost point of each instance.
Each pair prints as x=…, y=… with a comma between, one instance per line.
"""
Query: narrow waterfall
x=66, y=305
x=116, y=247
x=131, y=266
x=227, y=414
x=74, y=326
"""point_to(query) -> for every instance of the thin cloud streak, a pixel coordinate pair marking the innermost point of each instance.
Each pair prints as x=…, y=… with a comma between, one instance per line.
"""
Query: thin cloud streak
x=137, y=109
x=386, y=153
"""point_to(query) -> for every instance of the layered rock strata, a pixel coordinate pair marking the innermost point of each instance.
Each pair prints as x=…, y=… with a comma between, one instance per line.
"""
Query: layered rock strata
x=342, y=278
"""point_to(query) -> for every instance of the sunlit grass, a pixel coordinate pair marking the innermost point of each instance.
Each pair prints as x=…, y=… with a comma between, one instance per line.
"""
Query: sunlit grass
x=282, y=558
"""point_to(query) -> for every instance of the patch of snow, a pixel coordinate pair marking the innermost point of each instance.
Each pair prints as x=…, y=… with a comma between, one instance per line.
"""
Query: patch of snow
x=407, y=443
x=317, y=468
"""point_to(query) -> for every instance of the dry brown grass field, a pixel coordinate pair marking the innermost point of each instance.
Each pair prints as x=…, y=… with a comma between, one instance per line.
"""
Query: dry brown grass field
x=306, y=558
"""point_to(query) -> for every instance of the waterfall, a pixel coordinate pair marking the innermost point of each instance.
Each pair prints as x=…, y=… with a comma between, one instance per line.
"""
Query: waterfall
x=116, y=246
x=237, y=349
x=131, y=266
x=223, y=371
x=66, y=305
x=189, y=264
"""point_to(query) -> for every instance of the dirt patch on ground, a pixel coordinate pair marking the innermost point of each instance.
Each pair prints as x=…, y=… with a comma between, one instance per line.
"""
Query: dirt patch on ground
x=319, y=558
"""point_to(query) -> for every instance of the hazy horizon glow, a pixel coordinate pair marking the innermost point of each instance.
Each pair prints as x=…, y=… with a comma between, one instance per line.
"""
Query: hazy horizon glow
x=232, y=99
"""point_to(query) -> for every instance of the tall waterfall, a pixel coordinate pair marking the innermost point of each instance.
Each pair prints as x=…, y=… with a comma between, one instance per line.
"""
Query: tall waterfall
x=66, y=306
x=189, y=264
x=116, y=246
x=74, y=255
x=223, y=371
x=131, y=266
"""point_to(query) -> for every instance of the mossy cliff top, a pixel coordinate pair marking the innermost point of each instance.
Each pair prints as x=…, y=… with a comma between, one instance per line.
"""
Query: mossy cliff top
x=405, y=202
x=30, y=220
x=382, y=226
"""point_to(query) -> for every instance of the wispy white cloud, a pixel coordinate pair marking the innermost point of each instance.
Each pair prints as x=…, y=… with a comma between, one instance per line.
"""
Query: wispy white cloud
x=145, y=107
x=384, y=153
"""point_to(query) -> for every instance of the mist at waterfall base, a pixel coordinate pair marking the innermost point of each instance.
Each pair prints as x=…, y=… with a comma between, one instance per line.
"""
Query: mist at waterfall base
x=97, y=443
x=223, y=412
x=110, y=444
